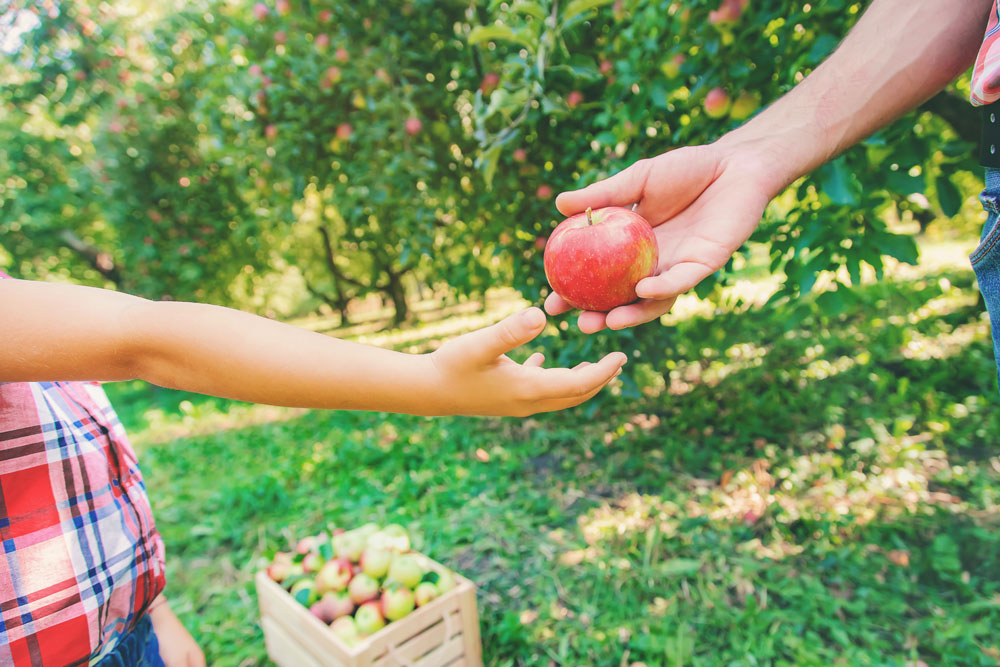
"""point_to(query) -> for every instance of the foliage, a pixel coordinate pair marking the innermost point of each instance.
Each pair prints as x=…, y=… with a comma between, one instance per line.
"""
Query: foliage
x=196, y=149
x=778, y=495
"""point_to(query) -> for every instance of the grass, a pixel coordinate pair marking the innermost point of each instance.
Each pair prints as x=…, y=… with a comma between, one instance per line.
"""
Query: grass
x=823, y=491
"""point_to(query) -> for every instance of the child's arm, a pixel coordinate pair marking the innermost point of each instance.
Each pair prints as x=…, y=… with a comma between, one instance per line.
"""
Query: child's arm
x=66, y=332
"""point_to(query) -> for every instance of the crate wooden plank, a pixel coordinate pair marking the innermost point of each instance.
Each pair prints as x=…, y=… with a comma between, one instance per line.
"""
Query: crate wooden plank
x=470, y=626
x=419, y=645
x=282, y=648
x=399, y=631
x=443, y=655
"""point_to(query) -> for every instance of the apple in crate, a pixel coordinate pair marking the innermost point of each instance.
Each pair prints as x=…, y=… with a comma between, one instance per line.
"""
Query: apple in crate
x=346, y=630
x=375, y=562
x=280, y=567
x=332, y=606
x=594, y=260
x=424, y=593
x=406, y=570
x=397, y=602
x=369, y=618
x=363, y=588
x=333, y=576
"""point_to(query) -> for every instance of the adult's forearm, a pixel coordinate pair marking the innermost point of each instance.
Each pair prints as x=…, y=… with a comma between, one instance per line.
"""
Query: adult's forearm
x=899, y=54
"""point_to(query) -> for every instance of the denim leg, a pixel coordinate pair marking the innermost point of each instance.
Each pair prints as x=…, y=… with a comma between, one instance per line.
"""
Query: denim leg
x=986, y=258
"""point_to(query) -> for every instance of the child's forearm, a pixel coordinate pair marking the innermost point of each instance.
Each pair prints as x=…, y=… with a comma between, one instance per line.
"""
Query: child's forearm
x=899, y=54
x=224, y=352
x=66, y=332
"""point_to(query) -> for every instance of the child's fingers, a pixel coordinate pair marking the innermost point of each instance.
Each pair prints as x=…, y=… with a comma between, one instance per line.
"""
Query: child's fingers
x=563, y=383
x=513, y=331
x=535, y=361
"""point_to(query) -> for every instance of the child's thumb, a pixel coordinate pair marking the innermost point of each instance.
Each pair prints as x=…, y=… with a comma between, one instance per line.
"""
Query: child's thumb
x=511, y=332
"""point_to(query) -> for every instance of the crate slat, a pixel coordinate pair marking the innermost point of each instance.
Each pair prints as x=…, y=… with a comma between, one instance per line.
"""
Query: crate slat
x=470, y=626
x=284, y=650
x=417, y=646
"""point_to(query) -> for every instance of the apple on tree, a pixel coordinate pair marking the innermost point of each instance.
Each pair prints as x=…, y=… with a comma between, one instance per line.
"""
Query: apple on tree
x=595, y=259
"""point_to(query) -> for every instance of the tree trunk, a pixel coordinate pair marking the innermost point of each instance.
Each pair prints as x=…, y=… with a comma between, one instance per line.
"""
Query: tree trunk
x=340, y=299
x=396, y=292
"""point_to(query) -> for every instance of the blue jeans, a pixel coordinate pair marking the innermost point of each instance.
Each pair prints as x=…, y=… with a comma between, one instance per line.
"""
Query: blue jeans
x=986, y=258
x=138, y=648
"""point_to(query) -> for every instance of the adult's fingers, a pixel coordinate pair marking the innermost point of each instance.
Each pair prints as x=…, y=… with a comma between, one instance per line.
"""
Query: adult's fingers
x=556, y=305
x=678, y=279
x=535, y=361
x=622, y=189
x=638, y=313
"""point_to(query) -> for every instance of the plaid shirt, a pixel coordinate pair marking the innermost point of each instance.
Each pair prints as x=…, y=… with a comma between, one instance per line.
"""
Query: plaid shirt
x=986, y=72
x=82, y=559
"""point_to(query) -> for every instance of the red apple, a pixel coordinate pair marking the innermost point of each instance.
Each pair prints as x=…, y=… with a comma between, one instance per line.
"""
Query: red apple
x=346, y=630
x=594, y=259
x=606, y=66
x=413, y=126
x=375, y=562
x=326, y=608
x=362, y=588
x=260, y=11
x=520, y=155
x=322, y=41
x=281, y=566
x=341, y=54
x=544, y=192
x=255, y=70
x=333, y=576
x=369, y=618
x=271, y=131
x=574, y=99
x=716, y=103
x=344, y=131
x=540, y=242
x=280, y=37
x=425, y=592
x=283, y=6
x=325, y=16
x=397, y=602
x=489, y=83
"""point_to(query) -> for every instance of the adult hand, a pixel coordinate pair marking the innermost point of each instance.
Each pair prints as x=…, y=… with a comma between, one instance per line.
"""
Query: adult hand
x=703, y=203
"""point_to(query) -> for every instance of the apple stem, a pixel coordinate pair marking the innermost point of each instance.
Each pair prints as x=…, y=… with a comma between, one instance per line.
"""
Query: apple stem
x=590, y=218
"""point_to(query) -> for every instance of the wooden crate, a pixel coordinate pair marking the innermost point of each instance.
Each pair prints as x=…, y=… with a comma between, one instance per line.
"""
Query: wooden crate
x=442, y=633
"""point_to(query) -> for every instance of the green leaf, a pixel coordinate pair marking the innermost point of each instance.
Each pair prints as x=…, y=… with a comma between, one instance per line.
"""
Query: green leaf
x=838, y=182
x=578, y=7
x=530, y=8
x=900, y=181
x=490, y=33
x=948, y=195
x=900, y=246
x=487, y=161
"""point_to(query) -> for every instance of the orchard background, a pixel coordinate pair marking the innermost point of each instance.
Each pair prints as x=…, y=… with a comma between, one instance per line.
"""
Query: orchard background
x=800, y=465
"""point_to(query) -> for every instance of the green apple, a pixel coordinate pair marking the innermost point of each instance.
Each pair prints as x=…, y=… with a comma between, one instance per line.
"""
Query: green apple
x=424, y=593
x=346, y=630
x=333, y=576
x=397, y=602
x=369, y=618
x=406, y=570
x=375, y=562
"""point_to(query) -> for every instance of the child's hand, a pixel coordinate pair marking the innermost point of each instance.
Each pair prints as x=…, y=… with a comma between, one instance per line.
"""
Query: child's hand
x=177, y=647
x=477, y=378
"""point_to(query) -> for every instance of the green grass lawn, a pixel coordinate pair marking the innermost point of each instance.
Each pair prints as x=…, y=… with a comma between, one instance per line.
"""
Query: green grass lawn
x=811, y=493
